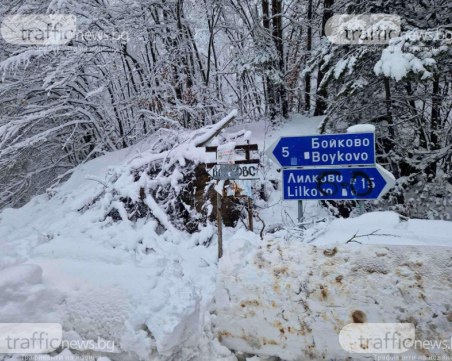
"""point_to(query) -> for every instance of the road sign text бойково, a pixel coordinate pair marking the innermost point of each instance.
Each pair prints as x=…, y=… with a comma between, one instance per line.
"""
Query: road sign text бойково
x=325, y=150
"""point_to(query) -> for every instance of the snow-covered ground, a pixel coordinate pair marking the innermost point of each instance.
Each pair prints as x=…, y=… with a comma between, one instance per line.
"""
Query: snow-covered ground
x=290, y=299
x=64, y=262
x=153, y=294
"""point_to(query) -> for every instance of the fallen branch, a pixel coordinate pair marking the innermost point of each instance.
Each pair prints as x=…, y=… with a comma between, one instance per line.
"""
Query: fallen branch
x=216, y=129
x=374, y=233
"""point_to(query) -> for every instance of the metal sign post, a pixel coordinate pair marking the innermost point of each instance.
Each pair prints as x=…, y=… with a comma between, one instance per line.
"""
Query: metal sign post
x=300, y=212
x=228, y=168
x=361, y=207
x=220, y=227
x=250, y=215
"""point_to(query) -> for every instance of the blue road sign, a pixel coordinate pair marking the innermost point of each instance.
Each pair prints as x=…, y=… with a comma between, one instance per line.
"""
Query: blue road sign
x=325, y=150
x=336, y=183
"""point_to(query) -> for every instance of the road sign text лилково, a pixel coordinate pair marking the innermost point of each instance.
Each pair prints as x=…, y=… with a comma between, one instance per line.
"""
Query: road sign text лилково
x=354, y=183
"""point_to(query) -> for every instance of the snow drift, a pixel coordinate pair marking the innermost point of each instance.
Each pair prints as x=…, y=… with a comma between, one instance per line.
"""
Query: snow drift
x=291, y=300
x=108, y=253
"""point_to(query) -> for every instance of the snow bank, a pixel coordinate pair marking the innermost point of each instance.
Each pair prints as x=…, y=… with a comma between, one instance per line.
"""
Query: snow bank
x=142, y=283
x=291, y=300
x=387, y=228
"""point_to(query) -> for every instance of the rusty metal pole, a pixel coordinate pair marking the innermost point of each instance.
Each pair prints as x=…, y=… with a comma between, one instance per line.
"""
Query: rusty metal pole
x=220, y=227
x=250, y=201
x=250, y=214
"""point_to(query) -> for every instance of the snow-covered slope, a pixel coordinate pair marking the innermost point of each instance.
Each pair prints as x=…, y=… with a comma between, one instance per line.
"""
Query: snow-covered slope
x=63, y=260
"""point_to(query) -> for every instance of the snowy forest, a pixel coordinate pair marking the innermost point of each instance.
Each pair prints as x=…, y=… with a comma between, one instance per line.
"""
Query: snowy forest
x=152, y=66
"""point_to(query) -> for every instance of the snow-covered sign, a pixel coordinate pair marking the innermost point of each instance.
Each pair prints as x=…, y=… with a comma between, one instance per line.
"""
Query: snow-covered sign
x=226, y=153
x=234, y=171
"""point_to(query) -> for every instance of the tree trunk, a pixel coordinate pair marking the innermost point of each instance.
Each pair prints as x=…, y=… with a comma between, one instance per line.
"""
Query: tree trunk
x=434, y=126
x=307, y=79
x=390, y=141
x=321, y=96
x=270, y=98
x=282, y=105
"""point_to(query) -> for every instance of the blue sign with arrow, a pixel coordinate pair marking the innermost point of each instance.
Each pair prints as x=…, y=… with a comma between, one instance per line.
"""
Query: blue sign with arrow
x=336, y=184
x=325, y=150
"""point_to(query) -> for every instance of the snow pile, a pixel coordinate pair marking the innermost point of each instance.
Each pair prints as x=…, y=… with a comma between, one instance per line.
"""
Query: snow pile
x=102, y=255
x=288, y=299
x=361, y=128
x=23, y=296
x=106, y=261
x=386, y=228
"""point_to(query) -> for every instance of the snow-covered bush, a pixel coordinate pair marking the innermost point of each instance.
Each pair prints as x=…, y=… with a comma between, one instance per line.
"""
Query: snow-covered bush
x=168, y=183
